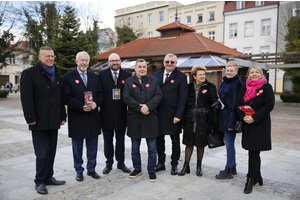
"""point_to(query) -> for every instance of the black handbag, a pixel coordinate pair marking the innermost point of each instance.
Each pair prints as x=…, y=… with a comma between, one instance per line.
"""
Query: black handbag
x=215, y=140
x=239, y=126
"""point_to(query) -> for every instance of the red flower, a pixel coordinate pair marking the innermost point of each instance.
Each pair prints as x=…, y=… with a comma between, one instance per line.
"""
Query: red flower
x=76, y=81
x=133, y=85
x=147, y=85
x=123, y=82
x=204, y=91
x=172, y=81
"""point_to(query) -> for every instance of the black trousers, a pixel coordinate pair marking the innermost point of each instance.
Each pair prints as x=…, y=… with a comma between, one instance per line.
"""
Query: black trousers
x=254, y=163
x=175, y=149
x=108, y=135
x=44, y=143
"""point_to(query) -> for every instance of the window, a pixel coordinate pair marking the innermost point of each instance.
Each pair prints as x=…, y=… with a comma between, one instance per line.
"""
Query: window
x=265, y=26
x=199, y=18
x=233, y=30
x=150, y=34
x=188, y=19
x=296, y=12
x=12, y=59
x=265, y=49
x=138, y=20
x=200, y=33
x=259, y=3
x=121, y=23
x=140, y=35
x=211, y=15
x=141, y=19
x=150, y=19
x=248, y=50
x=130, y=22
x=240, y=4
x=248, y=29
x=211, y=35
x=161, y=16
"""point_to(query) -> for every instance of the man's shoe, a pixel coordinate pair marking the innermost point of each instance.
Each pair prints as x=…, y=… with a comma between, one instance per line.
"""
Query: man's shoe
x=93, y=174
x=135, y=173
x=225, y=174
x=107, y=169
x=79, y=177
x=53, y=181
x=41, y=188
x=152, y=176
x=160, y=166
x=174, y=170
x=124, y=168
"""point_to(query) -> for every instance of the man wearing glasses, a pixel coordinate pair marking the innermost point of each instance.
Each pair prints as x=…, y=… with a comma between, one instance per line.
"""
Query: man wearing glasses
x=113, y=112
x=173, y=84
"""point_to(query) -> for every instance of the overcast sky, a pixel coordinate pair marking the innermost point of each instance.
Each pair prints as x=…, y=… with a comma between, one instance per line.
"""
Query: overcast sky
x=109, y=7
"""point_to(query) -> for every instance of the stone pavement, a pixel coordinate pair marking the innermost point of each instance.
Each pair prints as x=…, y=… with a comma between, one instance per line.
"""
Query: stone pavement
x=280, y=167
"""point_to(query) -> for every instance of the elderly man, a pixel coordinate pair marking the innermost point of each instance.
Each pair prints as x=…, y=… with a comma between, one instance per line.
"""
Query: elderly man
x=173, y=84
x=142, y=95
x=83, y=95
x=113, y=112
x=44, y=112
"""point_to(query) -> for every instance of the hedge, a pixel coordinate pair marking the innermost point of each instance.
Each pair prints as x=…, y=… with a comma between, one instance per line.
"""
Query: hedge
x=3, y=93
x=288, y=97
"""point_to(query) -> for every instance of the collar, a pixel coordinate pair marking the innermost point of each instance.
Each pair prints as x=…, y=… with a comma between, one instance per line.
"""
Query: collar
x=112, y=72
x=165, y=72
x=81, y=71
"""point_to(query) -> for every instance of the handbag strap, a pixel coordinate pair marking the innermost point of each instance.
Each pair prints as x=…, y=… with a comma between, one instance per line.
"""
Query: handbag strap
x=253, y=98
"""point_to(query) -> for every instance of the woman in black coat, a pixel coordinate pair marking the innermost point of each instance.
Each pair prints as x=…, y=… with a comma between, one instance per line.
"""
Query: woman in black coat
x=257, y=127
x=200, y=118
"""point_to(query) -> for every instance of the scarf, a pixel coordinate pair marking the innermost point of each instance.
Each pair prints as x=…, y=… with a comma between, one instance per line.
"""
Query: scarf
x=49, y=72
x=252, y=86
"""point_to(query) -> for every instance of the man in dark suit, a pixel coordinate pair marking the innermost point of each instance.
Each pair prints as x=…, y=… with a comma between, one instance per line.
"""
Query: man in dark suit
x=113, y=112
x=173, y=84
x=83, y=95
x=44, y=112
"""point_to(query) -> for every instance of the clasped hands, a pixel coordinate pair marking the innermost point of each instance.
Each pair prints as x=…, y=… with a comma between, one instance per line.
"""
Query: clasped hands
x=144, y=109
x=248, y=119
x=88, y=109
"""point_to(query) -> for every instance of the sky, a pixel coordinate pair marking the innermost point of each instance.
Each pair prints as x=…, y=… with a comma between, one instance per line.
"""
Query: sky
x=108, y=8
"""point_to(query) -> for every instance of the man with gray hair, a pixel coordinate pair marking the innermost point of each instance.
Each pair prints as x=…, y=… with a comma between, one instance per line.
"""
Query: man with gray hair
x=173, y=84
x=82, y=94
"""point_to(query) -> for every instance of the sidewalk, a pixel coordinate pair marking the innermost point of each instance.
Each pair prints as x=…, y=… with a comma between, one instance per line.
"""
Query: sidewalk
x=280, y=167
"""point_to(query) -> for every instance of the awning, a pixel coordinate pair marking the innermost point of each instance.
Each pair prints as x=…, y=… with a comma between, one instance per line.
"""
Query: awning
x=247, y=63
x=207, y=61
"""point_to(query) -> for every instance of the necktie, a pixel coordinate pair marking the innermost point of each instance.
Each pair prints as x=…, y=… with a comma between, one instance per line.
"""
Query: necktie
x=84, y=79
x=167, y=75
x=115, y=76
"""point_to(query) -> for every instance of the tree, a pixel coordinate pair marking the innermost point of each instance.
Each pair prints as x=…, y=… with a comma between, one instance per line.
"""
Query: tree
x=293, y=44
x=125, y=35
x=69, y=41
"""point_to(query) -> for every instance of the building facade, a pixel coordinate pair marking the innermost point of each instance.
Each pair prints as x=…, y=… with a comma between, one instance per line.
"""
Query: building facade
x=106, y=39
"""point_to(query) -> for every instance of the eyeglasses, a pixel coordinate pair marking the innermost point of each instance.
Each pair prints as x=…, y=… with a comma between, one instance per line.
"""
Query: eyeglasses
x=112, y=61
x=172, y=62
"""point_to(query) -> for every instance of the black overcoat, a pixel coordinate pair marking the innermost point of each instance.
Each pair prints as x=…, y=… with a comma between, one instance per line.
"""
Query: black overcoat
x=257, y=136
x=200, y=119
x=175, y=91
x=82, y=124
x=113, y=112
x=136, y=93
x=41, y=99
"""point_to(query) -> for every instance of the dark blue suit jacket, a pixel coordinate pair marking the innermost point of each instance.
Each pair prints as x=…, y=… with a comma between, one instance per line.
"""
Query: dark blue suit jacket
x=175, y=91
x=113, y=112
x=82, y=124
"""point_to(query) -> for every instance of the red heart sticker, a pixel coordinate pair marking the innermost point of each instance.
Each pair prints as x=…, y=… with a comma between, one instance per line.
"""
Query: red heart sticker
x=133, y=85
x=77, y=81
x=147, y=85
x=204, y=91
x=172, y=81
x=123, y=82
x=57, y=82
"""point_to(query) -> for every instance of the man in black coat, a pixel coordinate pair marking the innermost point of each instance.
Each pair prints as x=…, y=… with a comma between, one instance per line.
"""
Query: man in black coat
x=44, y=112
x=83, y=95
x=173, y=84
x=113, y=112
x=142, y=95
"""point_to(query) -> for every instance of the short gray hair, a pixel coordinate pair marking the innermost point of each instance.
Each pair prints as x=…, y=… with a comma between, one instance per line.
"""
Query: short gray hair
x=170, y=55
x=84, y=52
x=140, y=60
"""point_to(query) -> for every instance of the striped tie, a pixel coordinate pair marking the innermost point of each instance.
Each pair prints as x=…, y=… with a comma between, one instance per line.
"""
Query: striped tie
x=84, y=79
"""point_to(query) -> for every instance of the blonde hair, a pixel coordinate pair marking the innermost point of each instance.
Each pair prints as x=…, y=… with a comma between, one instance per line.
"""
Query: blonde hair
x=232, y=64
x=197, y=68
x=257, y=68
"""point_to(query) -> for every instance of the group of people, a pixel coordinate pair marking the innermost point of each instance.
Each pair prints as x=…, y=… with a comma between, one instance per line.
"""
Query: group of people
x=144, y=107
